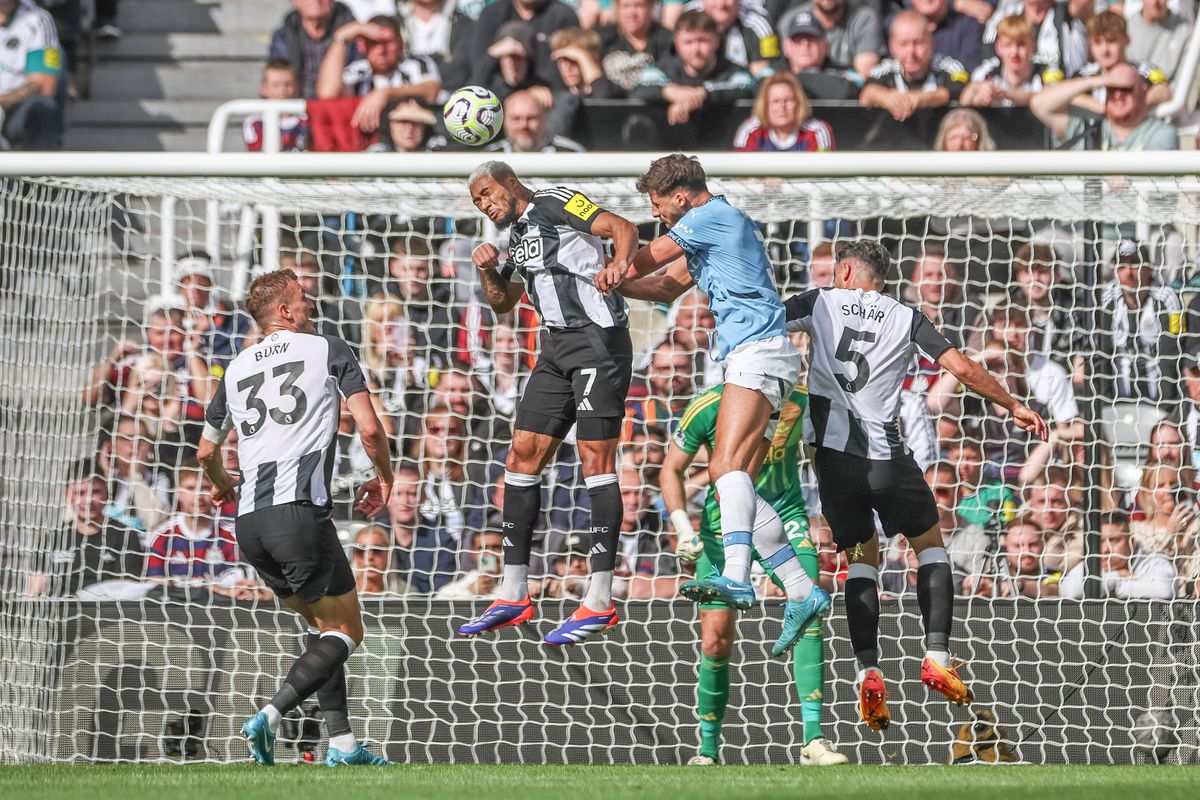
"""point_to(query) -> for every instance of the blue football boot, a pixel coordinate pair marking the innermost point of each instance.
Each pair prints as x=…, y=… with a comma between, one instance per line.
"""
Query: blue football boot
x=499, y=614
x=261, y=739
x=361, y=757
x=797, y=614
x=582, y=624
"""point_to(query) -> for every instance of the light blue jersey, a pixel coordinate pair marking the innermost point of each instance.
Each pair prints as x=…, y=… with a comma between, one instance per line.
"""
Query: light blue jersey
x=728, y=260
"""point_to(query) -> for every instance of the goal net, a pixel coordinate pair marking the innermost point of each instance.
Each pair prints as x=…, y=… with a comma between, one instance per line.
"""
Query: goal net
x=131, y=631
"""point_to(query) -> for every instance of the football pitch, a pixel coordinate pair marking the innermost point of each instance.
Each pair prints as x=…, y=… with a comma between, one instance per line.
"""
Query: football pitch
x=523, y=782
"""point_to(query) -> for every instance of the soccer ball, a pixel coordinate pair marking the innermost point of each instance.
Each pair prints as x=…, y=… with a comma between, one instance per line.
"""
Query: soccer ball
x=473, y=115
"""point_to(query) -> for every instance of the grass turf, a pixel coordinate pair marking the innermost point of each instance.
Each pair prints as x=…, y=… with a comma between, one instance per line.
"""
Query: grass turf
x=521, y=782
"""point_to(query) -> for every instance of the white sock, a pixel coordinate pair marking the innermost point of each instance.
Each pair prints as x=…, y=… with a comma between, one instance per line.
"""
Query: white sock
x=599, y=593
x=514, y=585
x=738, y=501
x=939, y=657
x=273, y=717
x=863, y=673
x=772, y=544
x=346, y=742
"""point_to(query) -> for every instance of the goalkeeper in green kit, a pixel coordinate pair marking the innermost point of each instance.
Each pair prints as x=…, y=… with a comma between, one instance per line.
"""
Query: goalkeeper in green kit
x=778, y=483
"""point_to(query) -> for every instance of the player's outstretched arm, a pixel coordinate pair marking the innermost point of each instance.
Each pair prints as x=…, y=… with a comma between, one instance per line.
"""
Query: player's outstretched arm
x=373, y=495
x=661, y=287
x=624, y=237
x=976, y=378
x=672, y=479
x=500, y=293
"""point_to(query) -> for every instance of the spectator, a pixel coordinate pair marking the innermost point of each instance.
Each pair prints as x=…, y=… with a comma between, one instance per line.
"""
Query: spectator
x=447, y=496
x=806, y=48
x=1126, y=124
x=407, y=129
x=699, y=85
x=221, y=328
x=513, y=65
x=821, y=267
x=1165, y=522
x=99, y=548
x=378, y=70
x=483, y=580
x=394, y=357
x=670, y=384
x=402, y=514
x=568, y=578
x=747, y=37
x=438, y=29
x=690, y=326
x=782, y=120
x=1125, y=572
x=898, y=573
x=1137, y=332
x=1190, y=414
x=1107, y=42
x=644, y=448
x=936, y=287
x=988, y=505
x=278, y=83
x=329, y=317
x=371, y=560
x=1159, y=33
x=1022, y=569
x=427, y=552
x=155, y=398
x=914, y=77
x=577, y=55
x=966, y=543
x=409, y=282
x=1061, y=35
x=192, y=547
x=647, y=558
x=854, y=33
x=1054, y=311
x=1049, y=506
x=634, y=42
x=304, y=39
x=541, y=17
x=138, y=494
x=104, y=24
x=963, y=130
x=30, y=69
x=527, y=129
x=507, y=372
x=955, y=34
x=1014, y=74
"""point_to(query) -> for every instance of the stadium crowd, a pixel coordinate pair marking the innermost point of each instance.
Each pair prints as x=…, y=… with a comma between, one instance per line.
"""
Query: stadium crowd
x=372, y=70
x=446, y=372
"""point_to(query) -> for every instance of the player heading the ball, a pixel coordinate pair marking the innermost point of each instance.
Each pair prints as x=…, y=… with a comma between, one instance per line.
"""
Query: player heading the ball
x=862, y=343
x=556, y=254
x=711, y=244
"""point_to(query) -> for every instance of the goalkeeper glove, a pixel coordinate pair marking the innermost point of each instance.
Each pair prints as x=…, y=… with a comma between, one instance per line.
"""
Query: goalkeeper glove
x=687, y=545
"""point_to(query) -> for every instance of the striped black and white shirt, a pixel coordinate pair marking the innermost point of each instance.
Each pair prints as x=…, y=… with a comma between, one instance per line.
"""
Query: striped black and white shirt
x=862, y=345
x=284, y=396
x=552, y=249
x=359, y=76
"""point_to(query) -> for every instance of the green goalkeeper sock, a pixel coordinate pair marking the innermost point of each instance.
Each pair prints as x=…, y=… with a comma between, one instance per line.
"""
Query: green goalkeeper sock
x=712, y=695
x=808, y=667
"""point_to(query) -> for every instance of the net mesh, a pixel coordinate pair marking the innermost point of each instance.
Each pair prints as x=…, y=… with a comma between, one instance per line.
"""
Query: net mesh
x=149, y=640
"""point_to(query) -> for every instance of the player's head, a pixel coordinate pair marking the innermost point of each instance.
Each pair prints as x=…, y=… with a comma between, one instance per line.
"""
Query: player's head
x=495, y=191
x=1016, y=42
x=697, y=39
x=1108, y=36
x=277, y=301
x=673, y=183
x=861, y=264
x=911, y=43
x=278, y=80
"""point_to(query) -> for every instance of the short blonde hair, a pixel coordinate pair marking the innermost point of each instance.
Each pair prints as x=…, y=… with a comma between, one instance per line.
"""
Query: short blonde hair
x=1016, y=27
x=803, y=108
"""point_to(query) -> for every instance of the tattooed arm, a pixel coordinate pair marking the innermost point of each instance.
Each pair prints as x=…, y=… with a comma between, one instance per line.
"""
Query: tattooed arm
x=500, y=293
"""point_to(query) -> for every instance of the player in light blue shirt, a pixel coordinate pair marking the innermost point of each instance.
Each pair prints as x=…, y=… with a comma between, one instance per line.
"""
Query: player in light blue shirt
x=715, y=246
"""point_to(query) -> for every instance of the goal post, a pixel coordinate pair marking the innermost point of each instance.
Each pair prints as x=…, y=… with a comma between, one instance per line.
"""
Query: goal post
x=92, y=248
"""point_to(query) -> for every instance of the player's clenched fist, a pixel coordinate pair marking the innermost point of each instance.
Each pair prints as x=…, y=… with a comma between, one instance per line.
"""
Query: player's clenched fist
x=611, y=276
x=486, y=256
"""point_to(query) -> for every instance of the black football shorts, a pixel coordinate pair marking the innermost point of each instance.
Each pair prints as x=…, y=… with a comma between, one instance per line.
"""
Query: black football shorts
x=295, y=549
x=582, y=374
x=852, y=487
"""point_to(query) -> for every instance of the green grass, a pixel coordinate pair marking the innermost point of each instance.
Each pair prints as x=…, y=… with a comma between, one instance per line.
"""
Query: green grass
x=518, y=782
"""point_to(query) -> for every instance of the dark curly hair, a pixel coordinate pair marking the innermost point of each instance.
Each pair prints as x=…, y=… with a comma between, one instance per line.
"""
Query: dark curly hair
x=870, y=254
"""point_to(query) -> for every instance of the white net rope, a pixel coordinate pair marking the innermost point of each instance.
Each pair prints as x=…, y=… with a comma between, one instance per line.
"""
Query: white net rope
x=132, y=631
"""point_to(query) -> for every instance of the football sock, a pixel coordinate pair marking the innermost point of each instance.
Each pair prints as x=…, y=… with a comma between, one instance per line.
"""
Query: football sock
x=607, y=511
x=332, y=697
x=712, y=695
x=808, y=666
x=770, y=541
x=738, y=502
x=273, y=716
x=522, y=503
x=935, y=595
x=311, y=670
x=862, y=613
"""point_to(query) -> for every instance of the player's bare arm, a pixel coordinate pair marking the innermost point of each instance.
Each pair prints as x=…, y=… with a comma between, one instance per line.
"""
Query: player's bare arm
x=224, y=490
x=651, y=257
x=500, y=293
x=624, y=237
x=979, y=380
x=372, y=496
x=663, y=286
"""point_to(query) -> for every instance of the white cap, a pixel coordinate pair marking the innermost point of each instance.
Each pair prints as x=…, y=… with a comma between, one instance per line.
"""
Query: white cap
x=196, y=266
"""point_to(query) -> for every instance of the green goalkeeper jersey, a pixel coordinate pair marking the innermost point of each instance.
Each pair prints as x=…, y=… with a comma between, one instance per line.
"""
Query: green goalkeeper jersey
x=779, y=477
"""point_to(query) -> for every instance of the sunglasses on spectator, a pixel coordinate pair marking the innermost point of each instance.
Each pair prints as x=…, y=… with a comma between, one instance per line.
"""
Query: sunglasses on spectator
x=1119, y=90
x=363, y=550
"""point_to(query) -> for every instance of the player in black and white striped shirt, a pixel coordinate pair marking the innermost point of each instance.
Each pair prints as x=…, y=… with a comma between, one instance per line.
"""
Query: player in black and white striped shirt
x=284, y=395
x=861, y=345
x=555, y=250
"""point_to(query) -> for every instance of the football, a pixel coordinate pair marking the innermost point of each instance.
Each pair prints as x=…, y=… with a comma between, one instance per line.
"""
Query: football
x=473, y=115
